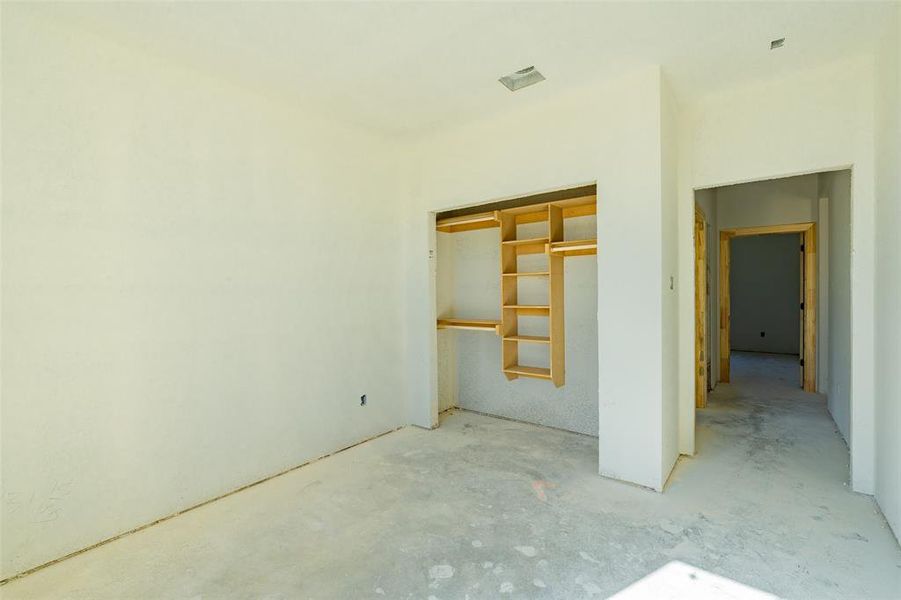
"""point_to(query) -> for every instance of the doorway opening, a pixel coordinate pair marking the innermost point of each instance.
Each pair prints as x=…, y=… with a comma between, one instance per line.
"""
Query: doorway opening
x=784, y=241
x=761, y=247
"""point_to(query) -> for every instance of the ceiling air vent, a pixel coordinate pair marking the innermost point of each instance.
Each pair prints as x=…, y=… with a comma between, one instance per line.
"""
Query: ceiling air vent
x=522, y=78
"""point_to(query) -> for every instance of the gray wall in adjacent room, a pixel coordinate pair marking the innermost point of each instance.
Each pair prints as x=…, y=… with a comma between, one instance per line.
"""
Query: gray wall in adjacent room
x=765, y=287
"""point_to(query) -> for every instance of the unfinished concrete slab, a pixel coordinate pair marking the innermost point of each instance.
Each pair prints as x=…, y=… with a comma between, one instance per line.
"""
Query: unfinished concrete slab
x=486, y=508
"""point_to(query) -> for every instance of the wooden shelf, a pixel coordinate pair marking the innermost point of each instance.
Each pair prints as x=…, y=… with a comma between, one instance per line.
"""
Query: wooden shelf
x=529, y=246
x=467, y=223
x=536, y=372
x=536, y=213
x=529, y=309
x=532, y=339
x=575, y=248
x=471, y=324
x=582, y=206
x=528, y=274
x=540, y=240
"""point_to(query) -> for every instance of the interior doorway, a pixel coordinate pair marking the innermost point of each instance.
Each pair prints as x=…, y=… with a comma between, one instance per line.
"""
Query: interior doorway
x=809, y=217
x=807, y=257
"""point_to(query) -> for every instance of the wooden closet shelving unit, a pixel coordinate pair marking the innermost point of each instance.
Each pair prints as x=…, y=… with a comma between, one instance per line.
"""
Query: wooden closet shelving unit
x=556, y=248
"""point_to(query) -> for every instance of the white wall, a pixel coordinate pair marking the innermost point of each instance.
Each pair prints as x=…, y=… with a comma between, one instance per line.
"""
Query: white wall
x=470, y=283
x=821, y=119
x=765, y=293
x=195, y=291
x=447, y=339
x=836, y=186
x=609, y=134
x=824, y=249
x=771, y=202
x=669, y=230
x=888, y=273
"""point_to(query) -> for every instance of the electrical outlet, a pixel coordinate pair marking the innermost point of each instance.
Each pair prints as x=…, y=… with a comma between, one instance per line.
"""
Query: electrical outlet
x=363, y=400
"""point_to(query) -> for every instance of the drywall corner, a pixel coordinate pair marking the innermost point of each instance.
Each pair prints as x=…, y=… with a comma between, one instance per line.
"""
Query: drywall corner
x=685, y=286
x=835, y=187
x=671, y=440
x=888, y=268
x=630, y=332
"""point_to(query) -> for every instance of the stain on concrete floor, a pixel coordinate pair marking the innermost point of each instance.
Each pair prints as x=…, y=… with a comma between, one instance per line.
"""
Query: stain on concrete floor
x=489, y=508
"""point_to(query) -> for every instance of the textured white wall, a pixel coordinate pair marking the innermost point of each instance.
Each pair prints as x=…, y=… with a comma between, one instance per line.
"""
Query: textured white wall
x=196, y=291
x=447, y=339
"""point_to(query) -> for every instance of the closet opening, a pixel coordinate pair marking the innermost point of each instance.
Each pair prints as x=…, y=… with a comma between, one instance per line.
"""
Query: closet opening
x=516, y=292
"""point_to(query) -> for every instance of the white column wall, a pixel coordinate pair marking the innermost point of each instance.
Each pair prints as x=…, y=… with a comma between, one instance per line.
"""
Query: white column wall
x=609, y=134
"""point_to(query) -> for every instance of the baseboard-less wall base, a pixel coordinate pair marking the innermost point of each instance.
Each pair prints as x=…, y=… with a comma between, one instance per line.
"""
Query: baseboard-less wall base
x=190, y=508
x=503, y=418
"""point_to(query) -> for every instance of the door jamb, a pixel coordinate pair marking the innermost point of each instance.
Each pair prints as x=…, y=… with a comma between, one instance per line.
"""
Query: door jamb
x=809, y=323
x=701, y=333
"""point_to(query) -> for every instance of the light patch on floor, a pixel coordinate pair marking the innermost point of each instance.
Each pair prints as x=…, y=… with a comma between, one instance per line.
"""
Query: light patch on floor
x=765, y=504
x=677, y=581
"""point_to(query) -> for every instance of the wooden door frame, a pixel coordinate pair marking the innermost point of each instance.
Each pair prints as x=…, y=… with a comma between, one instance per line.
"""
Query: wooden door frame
x=809, y=322
x=700, y=244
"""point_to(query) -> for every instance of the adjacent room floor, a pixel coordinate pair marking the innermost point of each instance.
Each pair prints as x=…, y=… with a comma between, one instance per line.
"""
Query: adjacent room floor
x=484, y=507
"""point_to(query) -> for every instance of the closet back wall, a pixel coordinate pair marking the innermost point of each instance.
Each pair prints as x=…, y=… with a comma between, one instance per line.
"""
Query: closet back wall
x=468, y=271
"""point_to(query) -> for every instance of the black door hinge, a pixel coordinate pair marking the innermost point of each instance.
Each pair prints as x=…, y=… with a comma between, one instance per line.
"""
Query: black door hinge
x=802, y=247
x=802, y=362
x=802, y=306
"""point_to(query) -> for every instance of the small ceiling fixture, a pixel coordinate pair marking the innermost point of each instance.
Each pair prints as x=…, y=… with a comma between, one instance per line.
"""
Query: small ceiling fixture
x=522, y=78
x=777, y=43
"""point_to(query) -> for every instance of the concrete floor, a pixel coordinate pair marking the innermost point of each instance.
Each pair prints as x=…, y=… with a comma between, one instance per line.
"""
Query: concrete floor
x=486, y=508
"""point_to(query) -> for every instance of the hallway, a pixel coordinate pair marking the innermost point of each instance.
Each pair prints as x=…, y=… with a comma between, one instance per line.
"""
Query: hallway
x=778, y=448
x=754, y=369
x=484, y=507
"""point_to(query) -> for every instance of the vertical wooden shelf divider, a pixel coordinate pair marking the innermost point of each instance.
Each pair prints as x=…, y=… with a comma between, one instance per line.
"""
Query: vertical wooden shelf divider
x=555, y=296
x=509, y=294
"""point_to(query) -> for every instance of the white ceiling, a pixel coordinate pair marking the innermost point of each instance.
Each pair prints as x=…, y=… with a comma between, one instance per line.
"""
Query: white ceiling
x=405, y=67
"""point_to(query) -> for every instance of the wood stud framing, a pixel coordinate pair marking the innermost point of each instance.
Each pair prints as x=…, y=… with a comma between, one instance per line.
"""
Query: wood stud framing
x=555, y=292
x=700, y=309
x=556, y=248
